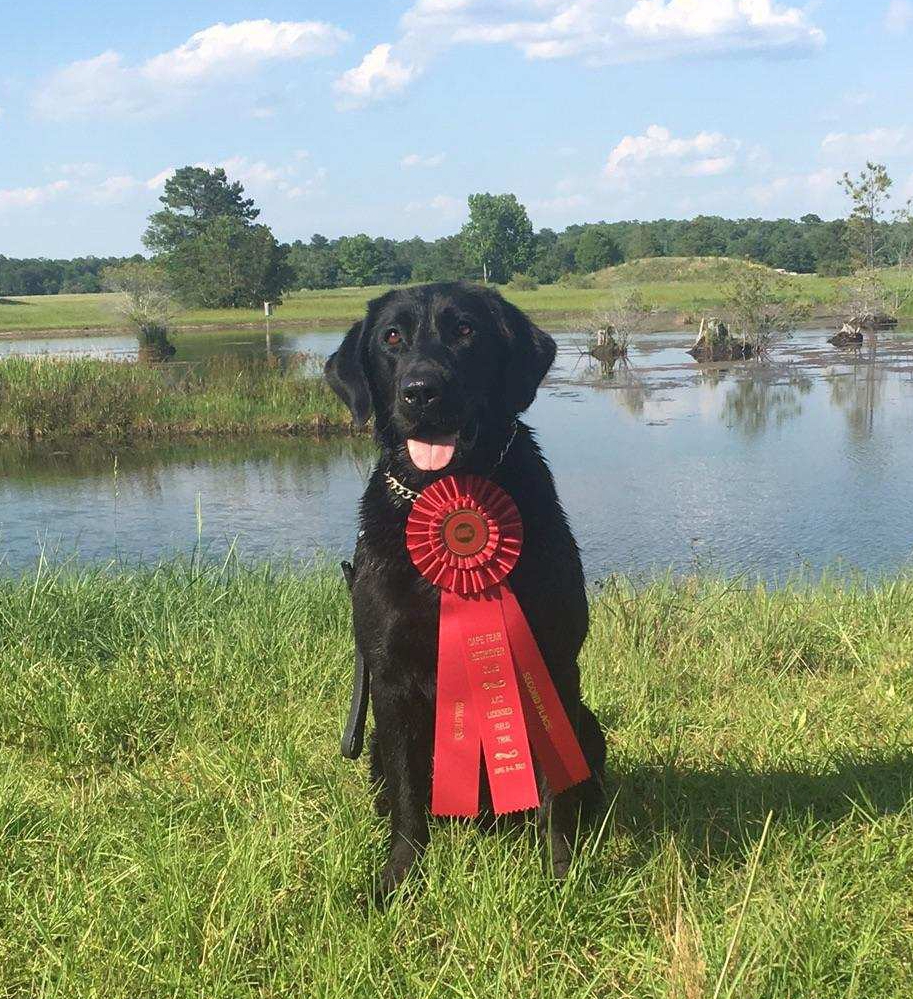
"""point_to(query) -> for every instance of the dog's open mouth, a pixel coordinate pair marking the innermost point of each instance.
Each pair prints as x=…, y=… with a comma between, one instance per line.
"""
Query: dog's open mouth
x=432, y=454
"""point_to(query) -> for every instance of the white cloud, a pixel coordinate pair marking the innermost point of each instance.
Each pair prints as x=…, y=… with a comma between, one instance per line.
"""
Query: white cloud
x=802, y=192
x=264, y=181
x=443, y=204
x=734, y=23
x=307, y=188
x=158, y=181
x=115, y=189
x=712, y=166
x=899, y=16
x=230, y=48
x=592, y=31
x=658, y=152
x=263, y=178
x=105, y=84
x=379, y=74
x=878, y=142
x=559, y=204
x=255, y=172
x=417, y=160
x=29, y=197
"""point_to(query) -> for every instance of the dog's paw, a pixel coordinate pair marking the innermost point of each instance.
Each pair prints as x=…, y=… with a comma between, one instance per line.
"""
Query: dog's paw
x=560, y=868
x=382, y=803
x=395, y=872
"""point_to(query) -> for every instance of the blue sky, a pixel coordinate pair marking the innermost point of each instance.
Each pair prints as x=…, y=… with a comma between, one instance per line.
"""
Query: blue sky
x=382, y=116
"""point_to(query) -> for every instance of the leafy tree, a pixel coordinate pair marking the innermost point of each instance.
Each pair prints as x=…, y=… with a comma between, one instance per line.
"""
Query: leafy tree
x=230, y=265
x=759, y=304
x=213, y=252
x=315, y=264
x=596, y=249
x=195, y=196
x=641, y=242
x=829, y=247
x=444, y=261
x=901, y=236
x=867, y=194
x=389, y=269
x=551, y=258
x=498, y=236
x=703, y=236
x=360, y=260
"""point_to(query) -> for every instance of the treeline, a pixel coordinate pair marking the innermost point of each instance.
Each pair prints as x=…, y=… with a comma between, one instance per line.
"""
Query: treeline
x=810, y=245
x=38, y=276
x=217, y=255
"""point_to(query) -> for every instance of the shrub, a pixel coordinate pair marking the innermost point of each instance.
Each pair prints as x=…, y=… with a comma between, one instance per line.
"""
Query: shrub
x=522, y=282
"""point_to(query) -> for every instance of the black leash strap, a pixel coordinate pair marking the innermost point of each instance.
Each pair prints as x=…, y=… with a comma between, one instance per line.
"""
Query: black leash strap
x=353, y=738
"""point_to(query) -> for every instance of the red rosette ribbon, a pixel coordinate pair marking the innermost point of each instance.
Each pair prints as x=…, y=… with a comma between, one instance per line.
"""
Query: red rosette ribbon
x=494, y=692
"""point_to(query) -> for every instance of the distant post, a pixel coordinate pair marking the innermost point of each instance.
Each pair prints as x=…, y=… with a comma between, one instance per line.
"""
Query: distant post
x=267, y=311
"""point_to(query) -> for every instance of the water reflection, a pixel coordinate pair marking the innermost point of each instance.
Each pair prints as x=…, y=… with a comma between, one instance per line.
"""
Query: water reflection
x=859, y=392
x=153, y=347
x=754, y=402
x=278, y=497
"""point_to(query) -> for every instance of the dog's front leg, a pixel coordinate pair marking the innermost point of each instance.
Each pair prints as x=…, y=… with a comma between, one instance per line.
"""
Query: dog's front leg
x=558, y=819
x=405, y=734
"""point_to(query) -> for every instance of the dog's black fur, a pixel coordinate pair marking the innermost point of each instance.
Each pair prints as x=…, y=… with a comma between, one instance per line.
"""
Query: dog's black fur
x=467, y=362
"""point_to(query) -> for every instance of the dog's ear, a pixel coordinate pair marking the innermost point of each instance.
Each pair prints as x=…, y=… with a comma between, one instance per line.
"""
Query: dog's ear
x=531, y=353
x=345, y=371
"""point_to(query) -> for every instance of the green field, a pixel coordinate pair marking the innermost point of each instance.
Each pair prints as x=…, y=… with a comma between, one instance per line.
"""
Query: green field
x=49, y=398
x=176, y=820
x=680, y=288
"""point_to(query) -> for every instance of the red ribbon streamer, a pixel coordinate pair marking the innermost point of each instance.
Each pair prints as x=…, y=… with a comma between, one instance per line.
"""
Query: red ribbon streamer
x=494, y=692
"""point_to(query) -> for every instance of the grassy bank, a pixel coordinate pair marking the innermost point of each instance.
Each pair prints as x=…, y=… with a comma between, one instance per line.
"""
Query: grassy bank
x=46, y=398
x=678, y=286
x=176, y=819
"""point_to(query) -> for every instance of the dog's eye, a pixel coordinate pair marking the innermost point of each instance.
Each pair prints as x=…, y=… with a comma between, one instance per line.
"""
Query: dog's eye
x=463, y=329
x=393, y=337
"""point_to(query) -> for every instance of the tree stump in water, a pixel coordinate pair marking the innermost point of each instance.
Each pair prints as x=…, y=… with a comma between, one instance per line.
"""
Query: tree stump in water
x=715, y=343
x=872, y=320
x=849, y=335
x=607, y=348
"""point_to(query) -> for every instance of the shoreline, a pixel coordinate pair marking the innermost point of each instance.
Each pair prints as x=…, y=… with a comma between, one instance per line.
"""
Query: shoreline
x=662, y=321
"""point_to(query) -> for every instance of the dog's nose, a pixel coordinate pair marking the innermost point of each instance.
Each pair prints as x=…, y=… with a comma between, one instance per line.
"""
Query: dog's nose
x=420, y=393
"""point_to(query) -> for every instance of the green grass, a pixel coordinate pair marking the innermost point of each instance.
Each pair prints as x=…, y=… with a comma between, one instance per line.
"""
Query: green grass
x=673, y=284
x=176, y=819
x=94, y=312
x=46, y=397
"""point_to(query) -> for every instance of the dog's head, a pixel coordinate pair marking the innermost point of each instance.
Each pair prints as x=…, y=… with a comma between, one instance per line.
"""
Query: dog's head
x=444, y=368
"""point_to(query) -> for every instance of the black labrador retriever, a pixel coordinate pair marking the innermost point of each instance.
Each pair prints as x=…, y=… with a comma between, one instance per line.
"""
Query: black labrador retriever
x=446, y=369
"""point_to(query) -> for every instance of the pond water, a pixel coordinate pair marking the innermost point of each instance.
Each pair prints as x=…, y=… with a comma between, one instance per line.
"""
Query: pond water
x=798, y=464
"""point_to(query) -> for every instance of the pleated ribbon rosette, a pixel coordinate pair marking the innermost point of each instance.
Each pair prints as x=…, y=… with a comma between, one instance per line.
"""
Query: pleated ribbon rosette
x=494, y=692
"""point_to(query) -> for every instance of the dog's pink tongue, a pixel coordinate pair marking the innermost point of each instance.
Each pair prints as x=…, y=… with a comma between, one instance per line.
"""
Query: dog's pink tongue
x=431, y=456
